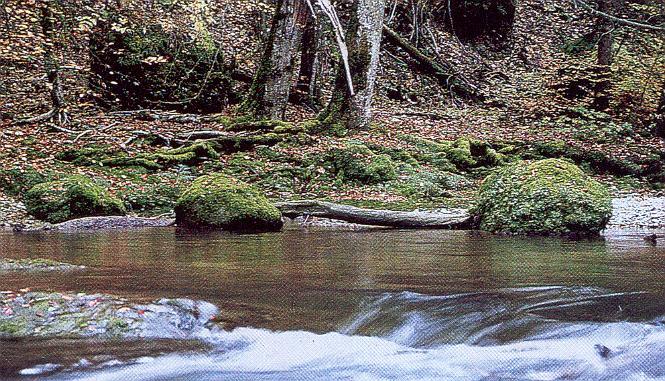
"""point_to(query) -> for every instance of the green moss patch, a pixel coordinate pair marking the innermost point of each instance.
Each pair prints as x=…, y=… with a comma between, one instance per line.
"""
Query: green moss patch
x=221, y=202
x=356, y=162
x=72, y=197
x=550, y=196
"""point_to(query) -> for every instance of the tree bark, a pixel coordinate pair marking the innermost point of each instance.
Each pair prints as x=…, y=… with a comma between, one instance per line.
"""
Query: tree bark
x=58, y=111
x=307, y=88
x=659, y=119
x=270, y=89
x=605, y=29
x=364, y=43
x=451, y=219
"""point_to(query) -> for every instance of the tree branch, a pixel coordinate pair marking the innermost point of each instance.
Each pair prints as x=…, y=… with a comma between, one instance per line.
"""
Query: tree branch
x=615, y=19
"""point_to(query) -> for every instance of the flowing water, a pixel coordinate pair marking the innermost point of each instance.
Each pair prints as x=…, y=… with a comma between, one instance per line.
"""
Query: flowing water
x=361, y=305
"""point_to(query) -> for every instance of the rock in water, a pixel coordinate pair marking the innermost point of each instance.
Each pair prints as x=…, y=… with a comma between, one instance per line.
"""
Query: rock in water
x=221, y=202
x=547, y=197
x=42, y=314
x=72, y=197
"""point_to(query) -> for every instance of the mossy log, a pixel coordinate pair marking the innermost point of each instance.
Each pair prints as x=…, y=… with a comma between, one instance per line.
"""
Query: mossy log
x=443, y=219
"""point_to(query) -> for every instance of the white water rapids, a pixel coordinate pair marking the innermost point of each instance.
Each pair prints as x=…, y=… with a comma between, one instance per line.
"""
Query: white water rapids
x=510, y=334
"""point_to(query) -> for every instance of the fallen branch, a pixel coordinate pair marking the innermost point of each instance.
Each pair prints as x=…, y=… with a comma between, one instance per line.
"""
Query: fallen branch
x=617, y=20
x=424, y=64
x=450, y=219
x=165, y=116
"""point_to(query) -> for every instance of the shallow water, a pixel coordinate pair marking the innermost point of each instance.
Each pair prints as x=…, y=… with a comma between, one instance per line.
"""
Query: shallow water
x=362, y=305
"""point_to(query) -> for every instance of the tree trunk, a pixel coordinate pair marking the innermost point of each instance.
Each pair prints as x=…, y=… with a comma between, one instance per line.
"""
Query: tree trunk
x=58, y=111
x=604, y=62
x=450, y=219
x=659, y=118
x=308, y=91
x=364, y=43
x=270, y=89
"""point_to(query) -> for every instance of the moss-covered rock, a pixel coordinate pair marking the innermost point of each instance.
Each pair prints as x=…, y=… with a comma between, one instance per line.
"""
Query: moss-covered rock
x=72, y=197
x=221, y=202
x=546, y=197
x=357, y=163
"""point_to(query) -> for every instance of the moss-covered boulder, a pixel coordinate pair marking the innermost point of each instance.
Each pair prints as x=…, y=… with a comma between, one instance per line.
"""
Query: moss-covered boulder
x=548, y=197
x=221, y=202
x=72, y=197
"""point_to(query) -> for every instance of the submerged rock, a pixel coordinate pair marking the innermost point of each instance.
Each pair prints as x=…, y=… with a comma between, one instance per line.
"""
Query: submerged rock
x=103, y=223
x=221, y=202
x=39, y=264
x=550, y=196
x=72, y=197
x=42, y=314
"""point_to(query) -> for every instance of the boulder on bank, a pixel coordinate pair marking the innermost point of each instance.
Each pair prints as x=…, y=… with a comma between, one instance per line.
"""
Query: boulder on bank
x=548, y=197
x=221, y=202
x=72, y=197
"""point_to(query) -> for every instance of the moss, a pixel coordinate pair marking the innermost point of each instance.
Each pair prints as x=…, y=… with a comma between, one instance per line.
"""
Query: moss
x=72, y=197
x=431, y=184
x=12, y=327
x=221, y=202
x=16, y=182
x=550, y=196
x=357, y=163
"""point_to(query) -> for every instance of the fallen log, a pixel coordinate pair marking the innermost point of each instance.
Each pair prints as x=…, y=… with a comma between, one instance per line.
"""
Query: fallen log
x=445, y=219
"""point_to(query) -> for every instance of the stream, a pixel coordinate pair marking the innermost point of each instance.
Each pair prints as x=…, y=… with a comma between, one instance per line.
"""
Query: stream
x=322, y=304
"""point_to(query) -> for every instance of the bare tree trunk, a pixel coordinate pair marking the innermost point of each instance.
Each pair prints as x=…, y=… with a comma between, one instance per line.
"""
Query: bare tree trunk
x=308, y=91
x=58, y=111
x=364, y=43
x=604, y=62
x=659, y=118
x=269, y=93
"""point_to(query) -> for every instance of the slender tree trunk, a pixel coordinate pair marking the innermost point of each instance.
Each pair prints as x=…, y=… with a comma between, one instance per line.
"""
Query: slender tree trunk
x=269, y=93
x=364, y=43
x=604, y=62
x=659, y=118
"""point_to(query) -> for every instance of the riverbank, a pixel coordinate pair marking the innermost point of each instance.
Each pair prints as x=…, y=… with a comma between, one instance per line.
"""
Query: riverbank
x=636, y=211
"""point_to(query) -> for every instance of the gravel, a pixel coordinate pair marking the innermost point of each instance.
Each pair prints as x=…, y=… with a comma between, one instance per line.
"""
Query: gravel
x=638, y=212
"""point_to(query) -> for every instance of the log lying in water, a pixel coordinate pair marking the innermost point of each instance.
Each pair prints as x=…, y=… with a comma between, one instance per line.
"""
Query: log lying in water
x=444, y=219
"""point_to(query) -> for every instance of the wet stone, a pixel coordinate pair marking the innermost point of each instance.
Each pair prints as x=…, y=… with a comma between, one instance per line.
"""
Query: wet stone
x=41, y=314
x=39, y=264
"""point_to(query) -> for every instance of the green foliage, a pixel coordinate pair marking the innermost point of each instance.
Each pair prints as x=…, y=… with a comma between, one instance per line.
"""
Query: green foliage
x=221, y=202
x=356, y=162
x=550, y=196
x=72, y=197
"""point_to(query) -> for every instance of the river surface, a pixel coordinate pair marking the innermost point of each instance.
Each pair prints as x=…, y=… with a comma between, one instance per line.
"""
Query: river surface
x=361, y=305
